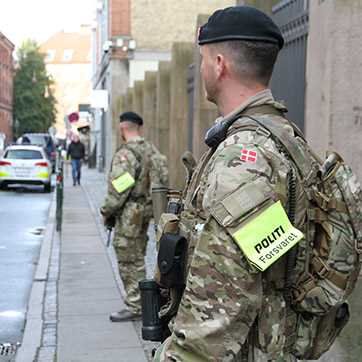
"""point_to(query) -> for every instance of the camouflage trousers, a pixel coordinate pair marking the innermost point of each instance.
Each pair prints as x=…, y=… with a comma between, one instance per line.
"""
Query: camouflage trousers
x=259, y=357
x=254, y=355
x=131, y=265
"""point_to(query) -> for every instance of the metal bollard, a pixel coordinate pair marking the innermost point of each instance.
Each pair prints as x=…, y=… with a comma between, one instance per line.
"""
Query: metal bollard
x=59, y=190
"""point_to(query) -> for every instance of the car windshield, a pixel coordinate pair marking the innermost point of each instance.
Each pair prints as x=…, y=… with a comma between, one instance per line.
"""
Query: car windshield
x=36, y=139
x=23, y=155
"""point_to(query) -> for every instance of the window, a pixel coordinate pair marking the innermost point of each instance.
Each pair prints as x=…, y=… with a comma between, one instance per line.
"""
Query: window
x=83, y=107
x=23, y=155
x=67, y=55
x=50, y=55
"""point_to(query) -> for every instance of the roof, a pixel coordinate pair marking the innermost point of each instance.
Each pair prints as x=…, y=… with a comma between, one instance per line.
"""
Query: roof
x=4, y=39
x=68, y=48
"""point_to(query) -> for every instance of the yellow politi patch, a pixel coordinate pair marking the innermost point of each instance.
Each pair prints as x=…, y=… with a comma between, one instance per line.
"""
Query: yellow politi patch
x=124, y=182
x=43, y=175
x=3, y=174
x=267, y=237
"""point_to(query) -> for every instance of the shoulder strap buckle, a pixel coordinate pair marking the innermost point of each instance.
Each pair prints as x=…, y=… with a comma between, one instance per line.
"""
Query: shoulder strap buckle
x=263, y=132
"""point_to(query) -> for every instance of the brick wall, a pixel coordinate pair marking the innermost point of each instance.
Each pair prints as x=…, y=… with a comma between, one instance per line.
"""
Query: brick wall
x=6, y=86
x=119, y=18
x=156, y=24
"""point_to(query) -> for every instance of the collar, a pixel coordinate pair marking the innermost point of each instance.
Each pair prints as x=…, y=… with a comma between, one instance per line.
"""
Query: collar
x=263, y=97
x=136, y=139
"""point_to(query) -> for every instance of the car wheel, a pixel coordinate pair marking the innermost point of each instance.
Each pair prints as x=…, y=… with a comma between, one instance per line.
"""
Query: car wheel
x=3, y=186
x=47, y=188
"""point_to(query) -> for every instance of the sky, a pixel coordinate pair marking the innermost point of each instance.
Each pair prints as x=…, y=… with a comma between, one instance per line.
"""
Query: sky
x=40, y=19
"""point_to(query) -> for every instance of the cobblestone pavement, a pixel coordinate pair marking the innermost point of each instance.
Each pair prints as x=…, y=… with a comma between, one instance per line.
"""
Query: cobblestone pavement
x=95, y=185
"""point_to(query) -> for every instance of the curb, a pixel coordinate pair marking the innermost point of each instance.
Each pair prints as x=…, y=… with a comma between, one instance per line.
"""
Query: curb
x=34, y=316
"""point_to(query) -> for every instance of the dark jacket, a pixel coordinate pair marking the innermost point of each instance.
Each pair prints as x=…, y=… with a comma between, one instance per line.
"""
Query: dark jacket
x=76, y=150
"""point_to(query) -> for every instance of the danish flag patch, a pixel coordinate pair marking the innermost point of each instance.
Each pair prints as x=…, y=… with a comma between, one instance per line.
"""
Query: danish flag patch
x=248, y=156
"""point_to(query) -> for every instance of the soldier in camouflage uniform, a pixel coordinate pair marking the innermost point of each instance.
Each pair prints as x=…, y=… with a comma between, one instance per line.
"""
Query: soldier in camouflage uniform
x=234, y=307
x=134, y=167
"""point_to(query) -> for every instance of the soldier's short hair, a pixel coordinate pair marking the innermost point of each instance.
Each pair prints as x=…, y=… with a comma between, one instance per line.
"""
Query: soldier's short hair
x=252, y=60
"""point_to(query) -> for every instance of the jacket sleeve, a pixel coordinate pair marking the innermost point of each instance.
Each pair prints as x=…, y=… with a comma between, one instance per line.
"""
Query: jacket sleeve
x=223, y=293
x=123, y=171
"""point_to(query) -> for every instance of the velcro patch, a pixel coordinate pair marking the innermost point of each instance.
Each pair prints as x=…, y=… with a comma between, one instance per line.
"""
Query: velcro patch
x=124, y=182
x=267, y=237
x=248, y=155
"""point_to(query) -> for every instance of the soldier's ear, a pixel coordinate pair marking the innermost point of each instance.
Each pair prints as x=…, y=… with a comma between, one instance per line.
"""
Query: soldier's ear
x=220, y=65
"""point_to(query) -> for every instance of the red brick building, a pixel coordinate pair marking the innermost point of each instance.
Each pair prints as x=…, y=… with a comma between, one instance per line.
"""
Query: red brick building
x=6, y=86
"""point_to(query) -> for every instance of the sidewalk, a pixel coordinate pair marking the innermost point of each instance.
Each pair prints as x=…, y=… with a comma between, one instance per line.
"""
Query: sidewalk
x=68, y=315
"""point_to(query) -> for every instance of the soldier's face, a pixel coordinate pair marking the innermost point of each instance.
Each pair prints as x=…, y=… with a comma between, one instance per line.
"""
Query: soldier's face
x=208, y=73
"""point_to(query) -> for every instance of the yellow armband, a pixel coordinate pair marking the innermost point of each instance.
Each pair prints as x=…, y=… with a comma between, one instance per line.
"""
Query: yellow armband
x=123, y=183
x=267, y=237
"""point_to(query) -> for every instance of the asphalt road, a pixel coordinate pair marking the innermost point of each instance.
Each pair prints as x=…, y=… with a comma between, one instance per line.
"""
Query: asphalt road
x=23, y=217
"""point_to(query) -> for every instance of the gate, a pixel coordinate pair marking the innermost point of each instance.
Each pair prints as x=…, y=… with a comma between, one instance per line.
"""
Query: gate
x=190, y=111
x=288, y=81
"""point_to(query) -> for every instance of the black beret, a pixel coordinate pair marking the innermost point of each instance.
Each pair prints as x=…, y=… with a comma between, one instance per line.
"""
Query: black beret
x=240, y=23
x=131, y=117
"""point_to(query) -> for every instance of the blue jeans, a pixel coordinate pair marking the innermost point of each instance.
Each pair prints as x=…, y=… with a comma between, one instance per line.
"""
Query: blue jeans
x=76, y=165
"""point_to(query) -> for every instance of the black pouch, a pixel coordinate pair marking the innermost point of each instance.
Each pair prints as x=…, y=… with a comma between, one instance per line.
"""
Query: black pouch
x=171, y=260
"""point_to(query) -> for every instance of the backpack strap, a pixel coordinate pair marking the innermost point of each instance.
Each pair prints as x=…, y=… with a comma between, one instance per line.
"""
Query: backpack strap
x=307, y=169
x=139, y=159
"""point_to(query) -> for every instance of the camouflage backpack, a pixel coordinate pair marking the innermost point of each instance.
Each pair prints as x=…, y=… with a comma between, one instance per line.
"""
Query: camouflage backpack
x=153, y=168
x=334, y=236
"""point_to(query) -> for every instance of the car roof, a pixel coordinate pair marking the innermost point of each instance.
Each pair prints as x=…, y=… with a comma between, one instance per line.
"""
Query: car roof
x=36, y=134
x=25, y=147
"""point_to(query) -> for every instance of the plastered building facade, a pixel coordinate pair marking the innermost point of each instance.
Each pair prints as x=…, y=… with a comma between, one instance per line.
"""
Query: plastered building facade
x=130, y=38
x=68, y=61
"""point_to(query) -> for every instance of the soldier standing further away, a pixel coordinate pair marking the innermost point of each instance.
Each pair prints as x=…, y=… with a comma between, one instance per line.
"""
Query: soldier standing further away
x=128, y=204
x=76, y=151
x=263, y=283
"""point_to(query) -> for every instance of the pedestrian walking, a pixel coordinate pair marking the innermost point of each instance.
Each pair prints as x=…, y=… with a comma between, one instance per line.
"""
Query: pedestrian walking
x=128, y=205
x=76, y=152
x=267, y=271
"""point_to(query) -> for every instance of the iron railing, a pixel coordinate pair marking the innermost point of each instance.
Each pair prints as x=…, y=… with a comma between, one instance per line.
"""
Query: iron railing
x=289, y=81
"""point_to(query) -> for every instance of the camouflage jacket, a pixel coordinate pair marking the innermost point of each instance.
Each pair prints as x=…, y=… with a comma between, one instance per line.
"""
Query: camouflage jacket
x=130, y=179
x=228, y=305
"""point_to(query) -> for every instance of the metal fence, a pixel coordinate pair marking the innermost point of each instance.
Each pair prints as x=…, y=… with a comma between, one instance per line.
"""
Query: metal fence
x=191, y=95
x=289, y=82
x=59, y=167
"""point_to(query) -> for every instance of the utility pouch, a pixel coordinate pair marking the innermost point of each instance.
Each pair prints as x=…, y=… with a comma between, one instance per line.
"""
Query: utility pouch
x=171, y=260
x=316, y=334
x=168, y=223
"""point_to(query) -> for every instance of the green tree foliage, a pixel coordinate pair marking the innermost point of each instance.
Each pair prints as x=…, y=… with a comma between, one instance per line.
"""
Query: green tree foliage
x=34, y=102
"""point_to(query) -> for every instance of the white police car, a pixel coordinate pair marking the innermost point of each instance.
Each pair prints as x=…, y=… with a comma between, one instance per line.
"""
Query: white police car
x=23, y=164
